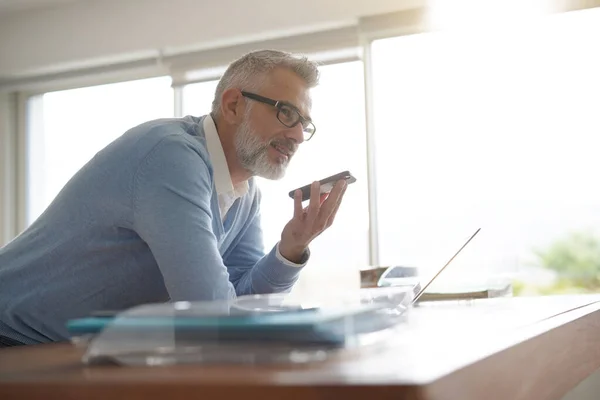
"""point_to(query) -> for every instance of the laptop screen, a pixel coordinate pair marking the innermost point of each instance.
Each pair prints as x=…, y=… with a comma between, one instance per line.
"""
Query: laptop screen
x=408, y=276
x=427, y=283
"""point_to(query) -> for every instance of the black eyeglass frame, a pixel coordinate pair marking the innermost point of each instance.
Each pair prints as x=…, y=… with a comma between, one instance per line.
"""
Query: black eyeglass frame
x=280, y=104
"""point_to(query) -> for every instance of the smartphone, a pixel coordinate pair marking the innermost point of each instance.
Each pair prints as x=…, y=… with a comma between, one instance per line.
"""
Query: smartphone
x=326, y=184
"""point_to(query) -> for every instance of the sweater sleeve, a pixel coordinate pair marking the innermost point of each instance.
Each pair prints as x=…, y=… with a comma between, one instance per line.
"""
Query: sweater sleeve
x=253, y=272
x=172, y=192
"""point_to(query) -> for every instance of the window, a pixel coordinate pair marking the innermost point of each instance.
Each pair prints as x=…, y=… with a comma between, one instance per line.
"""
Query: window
x=198, y=97
x=67, y=128
x=491, y=129
x=339, y=144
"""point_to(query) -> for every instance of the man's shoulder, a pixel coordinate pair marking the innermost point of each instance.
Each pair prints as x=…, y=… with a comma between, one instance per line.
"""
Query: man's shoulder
x=170, y=155
x=168, y=135
x=175, y=128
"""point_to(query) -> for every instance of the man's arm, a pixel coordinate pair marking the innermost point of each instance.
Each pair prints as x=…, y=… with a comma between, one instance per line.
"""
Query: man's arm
x=172, y=213
x=253, y=272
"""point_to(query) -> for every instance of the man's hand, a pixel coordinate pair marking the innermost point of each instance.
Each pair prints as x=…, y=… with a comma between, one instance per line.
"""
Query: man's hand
x=310, y=222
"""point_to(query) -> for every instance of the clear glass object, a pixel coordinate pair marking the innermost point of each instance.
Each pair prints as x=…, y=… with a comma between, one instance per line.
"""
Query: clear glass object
x=250, y=329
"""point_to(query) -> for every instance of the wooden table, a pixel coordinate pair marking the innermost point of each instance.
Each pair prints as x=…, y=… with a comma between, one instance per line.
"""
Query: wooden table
x=514, y=348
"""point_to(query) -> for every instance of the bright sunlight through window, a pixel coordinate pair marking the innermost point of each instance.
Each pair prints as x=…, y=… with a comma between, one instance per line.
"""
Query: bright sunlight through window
x=492, y=129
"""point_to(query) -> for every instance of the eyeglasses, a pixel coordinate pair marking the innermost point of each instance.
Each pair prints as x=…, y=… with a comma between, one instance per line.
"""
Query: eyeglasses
x=287, y=114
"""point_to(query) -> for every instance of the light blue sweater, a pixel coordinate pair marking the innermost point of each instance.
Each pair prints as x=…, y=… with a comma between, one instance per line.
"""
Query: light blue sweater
x=139, y=223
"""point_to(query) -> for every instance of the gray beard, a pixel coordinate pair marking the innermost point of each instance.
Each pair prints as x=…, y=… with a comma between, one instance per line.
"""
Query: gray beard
x=253, y=155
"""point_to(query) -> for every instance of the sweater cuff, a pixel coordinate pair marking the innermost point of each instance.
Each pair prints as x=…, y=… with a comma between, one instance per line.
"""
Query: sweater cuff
x=285, y=261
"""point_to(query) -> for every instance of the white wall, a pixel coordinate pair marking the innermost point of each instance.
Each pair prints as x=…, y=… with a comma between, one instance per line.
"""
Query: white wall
x=94, y=32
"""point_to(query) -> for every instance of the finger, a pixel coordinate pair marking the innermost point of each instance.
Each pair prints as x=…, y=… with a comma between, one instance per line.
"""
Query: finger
x=329, y=205
x=298, y=212
x=335, y=209
x=323, y=198
x=314, y=205
x=333, y=199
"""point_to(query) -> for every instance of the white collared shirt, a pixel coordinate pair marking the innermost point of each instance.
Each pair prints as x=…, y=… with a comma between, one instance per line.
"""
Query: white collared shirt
x=226, y=192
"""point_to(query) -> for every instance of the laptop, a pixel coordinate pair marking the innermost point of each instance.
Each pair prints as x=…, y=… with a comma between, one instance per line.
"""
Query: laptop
x=419, y=287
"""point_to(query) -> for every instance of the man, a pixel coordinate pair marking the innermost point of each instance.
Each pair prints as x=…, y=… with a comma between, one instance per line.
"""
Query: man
x=170, y=212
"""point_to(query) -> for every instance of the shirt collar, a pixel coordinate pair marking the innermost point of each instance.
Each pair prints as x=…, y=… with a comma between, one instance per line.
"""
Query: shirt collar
x=222, y=177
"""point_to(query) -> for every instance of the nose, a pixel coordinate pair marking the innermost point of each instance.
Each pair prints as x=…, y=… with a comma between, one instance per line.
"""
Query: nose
x=296, y=133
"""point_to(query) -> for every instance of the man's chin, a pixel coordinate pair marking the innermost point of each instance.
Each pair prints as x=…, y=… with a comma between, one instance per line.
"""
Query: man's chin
x=274, y=173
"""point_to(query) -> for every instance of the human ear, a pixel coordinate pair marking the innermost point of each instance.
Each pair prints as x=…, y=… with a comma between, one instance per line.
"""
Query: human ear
x=232, y=106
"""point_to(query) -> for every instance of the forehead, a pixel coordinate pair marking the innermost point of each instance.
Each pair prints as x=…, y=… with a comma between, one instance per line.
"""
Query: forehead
x=284, y=84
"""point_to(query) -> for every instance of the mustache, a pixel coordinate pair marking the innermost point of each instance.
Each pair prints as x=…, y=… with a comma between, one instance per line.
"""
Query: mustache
x=290, y=144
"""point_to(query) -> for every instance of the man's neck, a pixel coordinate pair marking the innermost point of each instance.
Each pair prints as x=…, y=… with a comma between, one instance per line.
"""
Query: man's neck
x=226, y=135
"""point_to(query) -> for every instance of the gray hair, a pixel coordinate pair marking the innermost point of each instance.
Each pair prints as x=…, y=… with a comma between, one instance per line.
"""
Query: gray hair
x=250, y=71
